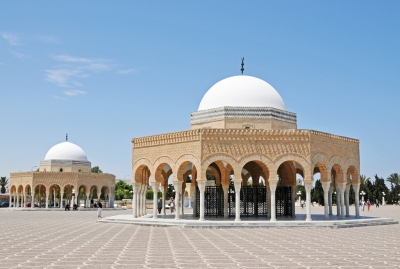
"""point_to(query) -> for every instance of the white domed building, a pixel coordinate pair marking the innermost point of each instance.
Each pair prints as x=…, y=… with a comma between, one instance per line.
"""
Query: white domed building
x=243, y=157
x=64, y=176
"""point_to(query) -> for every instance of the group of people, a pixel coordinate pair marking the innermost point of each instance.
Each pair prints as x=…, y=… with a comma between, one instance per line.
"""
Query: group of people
x=368, y=204
x=171, y=205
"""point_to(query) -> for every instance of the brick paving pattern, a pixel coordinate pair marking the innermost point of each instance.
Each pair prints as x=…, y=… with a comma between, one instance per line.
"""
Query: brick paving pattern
x=59, y=239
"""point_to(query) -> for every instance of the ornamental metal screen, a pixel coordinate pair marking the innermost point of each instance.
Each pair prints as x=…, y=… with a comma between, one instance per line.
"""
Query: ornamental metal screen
x=213, y=201
x=283, y=201
x=253, y=201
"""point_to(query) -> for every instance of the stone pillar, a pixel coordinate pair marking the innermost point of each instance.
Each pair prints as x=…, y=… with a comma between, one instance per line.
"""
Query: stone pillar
x=272, y=187
x=17, y=203
x=268, y=193
x=23, y=200
x=183, y=203
x=47, y=199
x=238, y=186
x=135, y=188
x=140, y=201
x=177, y=186
x=346, y=199
x=195, y=205
x=88, y=199
x=326, y=186
x=33, y=199
x=144, y=200
x=226, y=189
x=163, y=200
x=330, y=199
x=54, y=196
x=293, y=201
x=356, y=188
x=202, y=188
x=341, y=187
x=337, y=201
x=308, y=186
x=9, y=204
x=155, y=204
x=61, y=198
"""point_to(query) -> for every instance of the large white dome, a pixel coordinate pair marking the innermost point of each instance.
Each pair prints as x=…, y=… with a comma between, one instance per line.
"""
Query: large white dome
x=242, y=91
x=66, y=151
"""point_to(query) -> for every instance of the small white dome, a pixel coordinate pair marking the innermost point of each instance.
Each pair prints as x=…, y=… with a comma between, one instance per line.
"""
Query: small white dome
x=242, y=91
x=66, y=151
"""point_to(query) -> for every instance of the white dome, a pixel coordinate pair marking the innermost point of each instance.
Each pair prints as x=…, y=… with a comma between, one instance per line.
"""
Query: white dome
x=242, y=91
x=66, y=151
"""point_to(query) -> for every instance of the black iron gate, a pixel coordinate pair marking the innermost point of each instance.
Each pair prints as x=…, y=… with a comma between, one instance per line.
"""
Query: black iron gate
x=213, y=201
x=283, y=201
x=253, y=201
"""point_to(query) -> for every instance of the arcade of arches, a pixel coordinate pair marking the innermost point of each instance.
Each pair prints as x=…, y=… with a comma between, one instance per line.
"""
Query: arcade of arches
x=55, y=189
x=269, y=159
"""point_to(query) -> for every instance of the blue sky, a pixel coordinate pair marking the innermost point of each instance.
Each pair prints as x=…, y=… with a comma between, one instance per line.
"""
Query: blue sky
x=107, y=71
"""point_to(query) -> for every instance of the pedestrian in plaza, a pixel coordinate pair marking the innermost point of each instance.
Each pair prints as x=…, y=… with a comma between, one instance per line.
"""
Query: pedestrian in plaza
x=363, y=205
x=159, y=206
x=377, y=203
x=99, y=208
x=302, y=203
x=172, y=204
x=368, y=204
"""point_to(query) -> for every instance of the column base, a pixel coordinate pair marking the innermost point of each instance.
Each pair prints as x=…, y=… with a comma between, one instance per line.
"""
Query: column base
x=202, y=219
x=177, y=218
x=272, y=219
x=237, y=219
x=326, y=217
x=308, y=219
x=357, y=217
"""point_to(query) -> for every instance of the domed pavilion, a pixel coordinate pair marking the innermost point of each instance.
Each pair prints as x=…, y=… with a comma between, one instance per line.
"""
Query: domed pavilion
x=244, y=139
x=64, y=176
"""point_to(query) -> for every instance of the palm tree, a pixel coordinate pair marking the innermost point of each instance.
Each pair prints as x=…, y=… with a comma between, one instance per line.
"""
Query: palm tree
x=3, y=183
x=394, y=179
x=364, y=179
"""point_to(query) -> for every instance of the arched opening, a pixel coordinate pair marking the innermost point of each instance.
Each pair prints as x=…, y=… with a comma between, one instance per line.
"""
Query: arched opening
x=40, y=196
x=290, y=185
x=54, y=195
x=82, y=199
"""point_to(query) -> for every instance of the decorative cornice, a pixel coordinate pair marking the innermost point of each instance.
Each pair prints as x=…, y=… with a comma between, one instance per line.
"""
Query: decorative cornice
x=231, y=112
x=318, y=133
x=169, y=138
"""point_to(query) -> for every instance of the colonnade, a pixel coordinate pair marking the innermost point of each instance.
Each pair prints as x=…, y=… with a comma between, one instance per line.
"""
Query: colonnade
x=342, y=193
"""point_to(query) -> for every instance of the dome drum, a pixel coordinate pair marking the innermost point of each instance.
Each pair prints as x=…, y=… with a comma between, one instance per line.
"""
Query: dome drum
x=65, y=166
x=244, y=117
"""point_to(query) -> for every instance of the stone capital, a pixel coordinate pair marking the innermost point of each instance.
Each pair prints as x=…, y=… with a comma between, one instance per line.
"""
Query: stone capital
x=308, y=185
x=326, y=186
x=201, y=185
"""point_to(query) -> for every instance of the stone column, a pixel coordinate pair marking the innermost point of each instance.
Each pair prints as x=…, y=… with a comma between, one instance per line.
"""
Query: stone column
x=183, y=203
x=9, y=204
x=238, y=186
x=23, y=200
x=61, y=198
x=202, y=188
x=346, y=199
x=54, y=196
x=33, y=199
x=293, y=201
x=88, y=200
x=177, y=186
x=139, y=200
x=134, y=200
x=163, y=200
x=326, y=186
x=268, y=193
x=337, y=201
x=144, y=200
x=194, y=199
x=341, y=187
x=47, y=199
x=226, y=189
x=155, y=204
x=330, y=199
x=272, y=187
x=356, y=188
x=308, y=186
x=17, y=203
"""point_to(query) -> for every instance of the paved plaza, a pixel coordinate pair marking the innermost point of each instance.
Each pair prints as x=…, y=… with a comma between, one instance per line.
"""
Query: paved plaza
x=74, y=239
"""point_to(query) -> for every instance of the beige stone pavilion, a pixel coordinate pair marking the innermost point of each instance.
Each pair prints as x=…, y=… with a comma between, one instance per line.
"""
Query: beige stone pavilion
x=63, y=174
x=243, y=133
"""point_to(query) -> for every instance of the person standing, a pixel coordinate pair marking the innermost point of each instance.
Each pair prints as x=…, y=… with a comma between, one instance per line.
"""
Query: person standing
x=159, y=206
x=377, y=203
x=363, y=205
x=172, y=204
x=99, y=208
x=302, y=203
x=368, y=204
